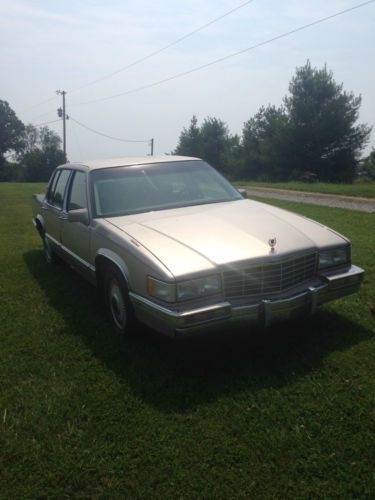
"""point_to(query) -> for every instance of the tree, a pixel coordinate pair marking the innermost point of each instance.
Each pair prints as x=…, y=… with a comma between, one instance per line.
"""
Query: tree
x=265, y=143
x=215, y=141
x=189, y=143
x=313, y=135
x=211, y=142
x=30, y=140
x=10, y=172
x=322, y=132
x=37, y=151
x=231, y=160
x=11, y=131
x=367, y=166
x=42, y=153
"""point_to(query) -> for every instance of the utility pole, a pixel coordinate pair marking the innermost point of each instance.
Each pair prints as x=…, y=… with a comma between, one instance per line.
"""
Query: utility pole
x=61, y=113
x=152, y=146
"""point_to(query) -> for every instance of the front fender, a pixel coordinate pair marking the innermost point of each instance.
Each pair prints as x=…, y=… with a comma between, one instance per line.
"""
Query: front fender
x=115, y=259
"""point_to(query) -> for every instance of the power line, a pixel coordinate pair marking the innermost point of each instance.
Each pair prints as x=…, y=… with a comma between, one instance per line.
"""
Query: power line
x=148, y=56
x=105, y=135
x=221, y=59
x=43, y=114
x=46, y=123
x=155, y=52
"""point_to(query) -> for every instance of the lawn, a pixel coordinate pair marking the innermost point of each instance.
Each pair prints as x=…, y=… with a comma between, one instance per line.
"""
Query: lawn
x=286, y=413
x=363, y=189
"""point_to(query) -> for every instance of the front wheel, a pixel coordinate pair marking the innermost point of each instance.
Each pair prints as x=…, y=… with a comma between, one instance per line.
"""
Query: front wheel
x=118, y=305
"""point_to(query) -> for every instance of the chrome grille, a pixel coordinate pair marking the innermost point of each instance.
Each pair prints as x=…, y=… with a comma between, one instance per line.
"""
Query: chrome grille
x=269, y=278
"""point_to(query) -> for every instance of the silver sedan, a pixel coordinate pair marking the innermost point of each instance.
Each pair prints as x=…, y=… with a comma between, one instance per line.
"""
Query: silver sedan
x=174, y=245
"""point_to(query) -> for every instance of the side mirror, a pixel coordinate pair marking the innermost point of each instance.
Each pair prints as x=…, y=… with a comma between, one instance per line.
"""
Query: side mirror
x=242, y=192
x=79, y=215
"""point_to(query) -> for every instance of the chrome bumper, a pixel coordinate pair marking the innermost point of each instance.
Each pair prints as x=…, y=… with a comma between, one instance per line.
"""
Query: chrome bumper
x=261, y=312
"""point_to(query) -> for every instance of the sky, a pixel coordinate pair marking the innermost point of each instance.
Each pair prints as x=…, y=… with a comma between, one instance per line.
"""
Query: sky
x=51, y=45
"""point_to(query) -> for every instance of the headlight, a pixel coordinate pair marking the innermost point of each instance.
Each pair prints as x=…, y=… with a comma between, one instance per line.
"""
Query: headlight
x=334, y=257
x=200, y=287
x=161, y=290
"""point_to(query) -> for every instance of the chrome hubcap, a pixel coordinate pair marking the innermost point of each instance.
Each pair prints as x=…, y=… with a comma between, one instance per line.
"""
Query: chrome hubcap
x=117, y=305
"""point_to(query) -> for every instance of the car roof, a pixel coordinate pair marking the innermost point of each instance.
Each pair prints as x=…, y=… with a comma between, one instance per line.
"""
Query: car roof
x=126, y=161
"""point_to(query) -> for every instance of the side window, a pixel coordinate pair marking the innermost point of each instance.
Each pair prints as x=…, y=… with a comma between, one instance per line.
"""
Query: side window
x=77, y=196
x=52, y=185
x=57, y=195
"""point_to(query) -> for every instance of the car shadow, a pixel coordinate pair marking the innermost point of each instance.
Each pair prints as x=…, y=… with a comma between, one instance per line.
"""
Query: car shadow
x=177, y=376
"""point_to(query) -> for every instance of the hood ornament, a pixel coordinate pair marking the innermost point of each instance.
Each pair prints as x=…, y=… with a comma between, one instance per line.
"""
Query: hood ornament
x=272, y=243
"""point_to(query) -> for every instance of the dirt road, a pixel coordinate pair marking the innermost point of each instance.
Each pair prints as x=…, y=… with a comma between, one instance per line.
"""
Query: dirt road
x=329, y=200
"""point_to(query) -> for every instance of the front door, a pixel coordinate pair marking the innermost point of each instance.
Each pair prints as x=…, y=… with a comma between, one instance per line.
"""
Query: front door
x=75, y=236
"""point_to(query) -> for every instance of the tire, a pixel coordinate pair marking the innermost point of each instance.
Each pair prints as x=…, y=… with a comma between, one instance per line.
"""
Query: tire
x=118, y=306
x=49, y=254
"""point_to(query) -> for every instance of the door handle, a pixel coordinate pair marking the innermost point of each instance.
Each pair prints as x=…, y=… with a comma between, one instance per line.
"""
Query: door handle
x=63, y=217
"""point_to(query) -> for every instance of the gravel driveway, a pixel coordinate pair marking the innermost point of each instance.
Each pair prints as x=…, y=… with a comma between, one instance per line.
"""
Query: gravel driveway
x=328, y=200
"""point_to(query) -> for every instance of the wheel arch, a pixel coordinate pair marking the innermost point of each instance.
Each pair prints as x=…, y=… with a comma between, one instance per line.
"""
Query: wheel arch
x=40, y=225
x=105, y=258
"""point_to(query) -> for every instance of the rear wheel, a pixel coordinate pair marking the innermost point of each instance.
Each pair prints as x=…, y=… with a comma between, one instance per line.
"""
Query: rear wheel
x=118, y=305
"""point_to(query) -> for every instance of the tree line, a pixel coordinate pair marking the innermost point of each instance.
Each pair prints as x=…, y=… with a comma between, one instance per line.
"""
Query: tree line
x=27, y=153
x=313, y=135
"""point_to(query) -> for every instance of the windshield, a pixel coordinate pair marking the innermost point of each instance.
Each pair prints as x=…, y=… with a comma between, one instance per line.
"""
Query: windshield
x=159, y=186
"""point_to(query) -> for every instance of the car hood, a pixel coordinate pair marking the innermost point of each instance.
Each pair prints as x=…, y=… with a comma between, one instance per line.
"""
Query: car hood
x=190, y=240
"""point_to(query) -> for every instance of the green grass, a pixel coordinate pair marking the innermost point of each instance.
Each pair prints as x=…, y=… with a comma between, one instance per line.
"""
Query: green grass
x=287, y=413
x=363, y=189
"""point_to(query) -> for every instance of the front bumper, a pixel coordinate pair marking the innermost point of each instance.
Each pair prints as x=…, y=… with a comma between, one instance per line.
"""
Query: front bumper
x=259, y=312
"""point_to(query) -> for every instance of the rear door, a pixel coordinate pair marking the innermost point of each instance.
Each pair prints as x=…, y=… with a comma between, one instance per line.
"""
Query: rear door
x=54, y=205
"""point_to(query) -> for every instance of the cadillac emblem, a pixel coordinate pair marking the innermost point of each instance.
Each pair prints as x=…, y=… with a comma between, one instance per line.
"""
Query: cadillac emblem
x=272, y=243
